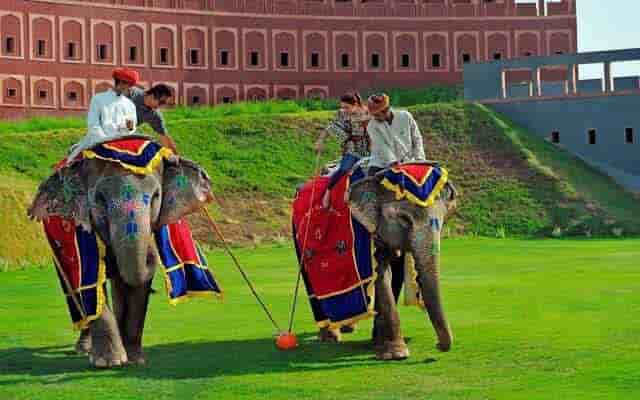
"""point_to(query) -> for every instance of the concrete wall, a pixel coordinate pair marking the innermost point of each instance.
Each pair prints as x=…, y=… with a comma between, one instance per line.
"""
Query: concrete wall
x=573, y=117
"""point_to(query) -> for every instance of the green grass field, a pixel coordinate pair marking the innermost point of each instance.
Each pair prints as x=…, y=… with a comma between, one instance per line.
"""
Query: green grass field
x=533, y=319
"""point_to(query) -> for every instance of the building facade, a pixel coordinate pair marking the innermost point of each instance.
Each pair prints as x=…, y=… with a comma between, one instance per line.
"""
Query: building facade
x=55, y=54
x=594, y=119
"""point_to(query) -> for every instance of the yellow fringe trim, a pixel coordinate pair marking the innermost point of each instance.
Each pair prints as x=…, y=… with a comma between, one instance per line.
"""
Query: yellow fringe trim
x=100, y=301
x=163, y=154
x=412, y=288
x=370, y=293
x=179, y=300
x=191, y=294
x=402, y=194
x=361, y=283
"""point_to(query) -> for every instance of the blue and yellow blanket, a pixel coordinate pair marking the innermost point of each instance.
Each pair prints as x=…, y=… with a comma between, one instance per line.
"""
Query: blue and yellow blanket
x=420, y=184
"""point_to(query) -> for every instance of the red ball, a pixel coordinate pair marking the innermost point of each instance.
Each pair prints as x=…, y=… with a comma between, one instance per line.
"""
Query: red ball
x=286, y=341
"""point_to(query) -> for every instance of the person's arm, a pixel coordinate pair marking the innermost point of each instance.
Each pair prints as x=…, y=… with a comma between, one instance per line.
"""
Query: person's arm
x=94, y=122
x=337, y=127
x=377, y=145
x=159, y=126
x=417, y=146
x=319, y=144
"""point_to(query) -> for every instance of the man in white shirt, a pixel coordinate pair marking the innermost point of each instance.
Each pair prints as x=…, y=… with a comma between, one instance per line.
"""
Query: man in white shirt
x=394, y=134
x=111, y=113
x=395, y=138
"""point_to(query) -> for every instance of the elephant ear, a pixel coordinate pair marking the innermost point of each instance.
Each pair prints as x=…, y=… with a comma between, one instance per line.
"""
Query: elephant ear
x=63, y=194
x=363, y=201
x=186, y=188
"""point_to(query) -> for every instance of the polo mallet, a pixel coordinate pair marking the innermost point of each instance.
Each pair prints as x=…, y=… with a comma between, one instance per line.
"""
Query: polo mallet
x=214, y=227
x=289, y=340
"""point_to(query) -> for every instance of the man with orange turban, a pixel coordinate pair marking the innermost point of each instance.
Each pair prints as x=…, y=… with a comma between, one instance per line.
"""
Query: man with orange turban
x=111, y=113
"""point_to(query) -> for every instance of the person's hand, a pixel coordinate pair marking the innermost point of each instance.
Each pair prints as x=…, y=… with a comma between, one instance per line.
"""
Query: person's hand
x=168, y=142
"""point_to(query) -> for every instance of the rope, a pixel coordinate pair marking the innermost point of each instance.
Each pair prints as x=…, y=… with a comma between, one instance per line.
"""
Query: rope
x=216, y=230
x=304, y=243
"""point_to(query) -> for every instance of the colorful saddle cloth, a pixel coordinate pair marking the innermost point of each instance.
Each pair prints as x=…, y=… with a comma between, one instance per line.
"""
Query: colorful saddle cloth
x=138, y=155
x=186, y=271
x=420, y=184
x=335, y=252
x=78, y=258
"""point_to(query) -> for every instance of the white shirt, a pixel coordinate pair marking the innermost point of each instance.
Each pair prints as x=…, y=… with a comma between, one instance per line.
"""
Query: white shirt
x=107, y=119
x=400, y=141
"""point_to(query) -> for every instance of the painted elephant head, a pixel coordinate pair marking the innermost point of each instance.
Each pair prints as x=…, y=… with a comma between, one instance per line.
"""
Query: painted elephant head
x=122, y=207
x=401, y=225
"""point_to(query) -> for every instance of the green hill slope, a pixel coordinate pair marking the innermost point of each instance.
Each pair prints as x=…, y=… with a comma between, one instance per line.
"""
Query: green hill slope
x=511, y=182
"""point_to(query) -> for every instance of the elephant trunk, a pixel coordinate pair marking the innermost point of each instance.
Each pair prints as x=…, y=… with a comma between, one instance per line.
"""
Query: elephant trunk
x=129, y=205
x=430, y=285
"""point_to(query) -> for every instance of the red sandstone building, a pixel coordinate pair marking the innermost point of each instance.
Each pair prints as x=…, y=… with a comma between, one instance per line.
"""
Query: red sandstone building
x=56, y=53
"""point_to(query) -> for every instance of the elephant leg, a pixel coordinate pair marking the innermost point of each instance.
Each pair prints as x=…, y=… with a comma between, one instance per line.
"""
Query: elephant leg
x=83, y=345
x=137, y=304
x=327, y=335
x=397, y=276
x=107, y=350
x=119, y=300
x=389, y=343
x=426, y=251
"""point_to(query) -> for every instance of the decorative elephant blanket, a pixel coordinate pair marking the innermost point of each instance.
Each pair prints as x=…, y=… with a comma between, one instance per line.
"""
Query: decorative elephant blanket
x=420, y=184
x=138, y=155
x=335, y=252
x=79, y=254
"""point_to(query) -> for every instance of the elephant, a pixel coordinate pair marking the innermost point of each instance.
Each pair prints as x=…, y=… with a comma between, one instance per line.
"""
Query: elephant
x=399, y=225
x=89, y=191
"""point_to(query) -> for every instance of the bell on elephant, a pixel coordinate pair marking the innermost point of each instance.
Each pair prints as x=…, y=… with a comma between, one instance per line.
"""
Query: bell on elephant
x=116, y=200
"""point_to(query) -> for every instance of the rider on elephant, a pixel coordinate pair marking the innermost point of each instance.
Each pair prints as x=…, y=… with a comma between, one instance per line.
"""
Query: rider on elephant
x=115, y=114
x=147, y=109
x=350, y=128
x=395, y=138
x=395, y=135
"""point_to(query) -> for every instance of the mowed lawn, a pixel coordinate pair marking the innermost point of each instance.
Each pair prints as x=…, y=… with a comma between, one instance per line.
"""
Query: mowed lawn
x=532, y=320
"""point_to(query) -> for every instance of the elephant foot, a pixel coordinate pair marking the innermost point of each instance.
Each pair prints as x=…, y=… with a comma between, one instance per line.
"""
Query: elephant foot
x=392, y=350
x=107, y=350
x=445, y=339
x=348, y=328
x=83, y=345
x=136, y=357
x=327, y=335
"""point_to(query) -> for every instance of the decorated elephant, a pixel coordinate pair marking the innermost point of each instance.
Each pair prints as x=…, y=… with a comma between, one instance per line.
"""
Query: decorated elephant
x=128, y=205
x=401, y=221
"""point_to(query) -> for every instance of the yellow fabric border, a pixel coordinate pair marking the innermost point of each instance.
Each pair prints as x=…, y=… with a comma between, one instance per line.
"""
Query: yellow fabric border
x=100, y=301
x=368, y=289
x=119, y=150
x=163, y=154
x=361, y=283
x=402, y=194
x=192, y=294
x=179, y=300
x=412, y=288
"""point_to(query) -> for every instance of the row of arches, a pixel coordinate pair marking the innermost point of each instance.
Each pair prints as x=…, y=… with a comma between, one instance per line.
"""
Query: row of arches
x=142, y=44
x=75, y=93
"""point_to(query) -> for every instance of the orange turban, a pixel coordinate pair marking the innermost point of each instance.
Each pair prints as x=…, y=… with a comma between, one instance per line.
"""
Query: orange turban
x=126, y=75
